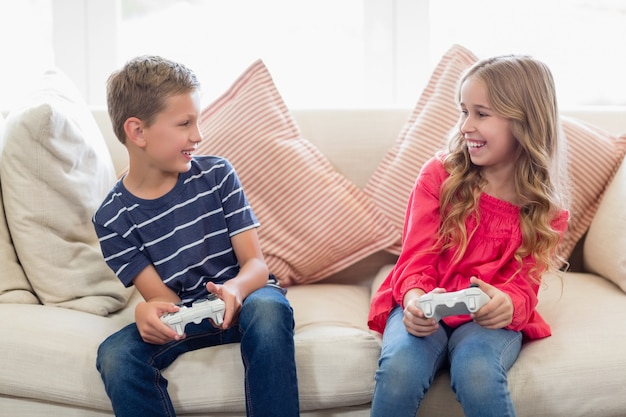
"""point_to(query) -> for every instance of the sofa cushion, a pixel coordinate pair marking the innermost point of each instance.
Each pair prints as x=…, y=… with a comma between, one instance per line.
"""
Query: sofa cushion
x=56, y=170
x=314, y=221
x=336, y=356
x=14, y=287
x=424, y=133
x=593, y=158
x=577, y=353
x=603, y=250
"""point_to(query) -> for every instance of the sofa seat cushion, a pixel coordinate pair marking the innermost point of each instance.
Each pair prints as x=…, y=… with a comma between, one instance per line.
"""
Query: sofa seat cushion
x=575, y=362
x=53, y=350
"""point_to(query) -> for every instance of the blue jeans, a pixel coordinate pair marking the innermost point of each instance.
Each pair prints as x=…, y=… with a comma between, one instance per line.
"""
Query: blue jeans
x=478, y=358
x=131, y=368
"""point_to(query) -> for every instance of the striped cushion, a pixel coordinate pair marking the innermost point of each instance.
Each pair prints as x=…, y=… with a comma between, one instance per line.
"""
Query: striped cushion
x=423, y=134
x=314, y=221
x=594, y=155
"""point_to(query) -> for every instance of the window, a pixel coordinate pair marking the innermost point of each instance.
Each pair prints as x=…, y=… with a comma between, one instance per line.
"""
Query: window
x=314, y=49
x=26, y=32
x=580, y=40
x=322, y=53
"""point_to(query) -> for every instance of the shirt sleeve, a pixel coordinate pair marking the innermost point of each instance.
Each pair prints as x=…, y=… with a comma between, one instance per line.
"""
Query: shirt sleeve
x=237, y=209
x=416, y=265
x=121, y=255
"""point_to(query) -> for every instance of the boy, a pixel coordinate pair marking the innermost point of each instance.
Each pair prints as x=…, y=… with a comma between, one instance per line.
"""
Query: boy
x=179, y=227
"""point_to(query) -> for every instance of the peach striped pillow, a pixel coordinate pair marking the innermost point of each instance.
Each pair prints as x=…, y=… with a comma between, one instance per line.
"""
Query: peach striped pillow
x=424, y=133
x=594, y=155
x=314, y=221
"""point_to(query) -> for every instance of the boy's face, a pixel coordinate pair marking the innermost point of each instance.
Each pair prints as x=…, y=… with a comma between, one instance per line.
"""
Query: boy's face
x=174, y=135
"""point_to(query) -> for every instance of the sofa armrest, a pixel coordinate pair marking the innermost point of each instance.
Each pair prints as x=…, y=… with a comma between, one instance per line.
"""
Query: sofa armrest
x=603, y=250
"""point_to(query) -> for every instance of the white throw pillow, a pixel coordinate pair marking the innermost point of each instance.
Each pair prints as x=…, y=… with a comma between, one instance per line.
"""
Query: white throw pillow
x=56, y=170
x=14, y=287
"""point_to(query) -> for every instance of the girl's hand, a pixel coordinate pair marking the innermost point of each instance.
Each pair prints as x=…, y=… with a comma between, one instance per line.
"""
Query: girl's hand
x=232, y=301
x=498, y=312
x=414, y=320
x=151, y=328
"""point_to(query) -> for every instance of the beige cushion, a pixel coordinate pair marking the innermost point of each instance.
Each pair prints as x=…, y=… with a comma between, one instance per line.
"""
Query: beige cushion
x=594, y=154
x=56, y=170
x=14, y=287
x=336, y=355
x=604, y=250
x=574, y=372
x=314, y=222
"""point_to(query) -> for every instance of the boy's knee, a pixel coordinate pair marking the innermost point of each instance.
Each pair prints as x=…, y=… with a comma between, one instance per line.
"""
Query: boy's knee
x=106, y=359
x=267, y=314
x=272, y=305
x=113, y=352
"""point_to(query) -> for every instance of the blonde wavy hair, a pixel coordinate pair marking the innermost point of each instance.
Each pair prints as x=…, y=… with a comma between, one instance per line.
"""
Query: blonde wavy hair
x=522, y=90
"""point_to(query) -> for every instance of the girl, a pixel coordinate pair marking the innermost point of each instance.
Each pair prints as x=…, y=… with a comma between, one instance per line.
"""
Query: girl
x=490, y=211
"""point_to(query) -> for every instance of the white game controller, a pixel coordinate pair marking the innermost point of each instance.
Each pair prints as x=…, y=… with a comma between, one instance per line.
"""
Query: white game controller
x=206, y=308
x=440, y=305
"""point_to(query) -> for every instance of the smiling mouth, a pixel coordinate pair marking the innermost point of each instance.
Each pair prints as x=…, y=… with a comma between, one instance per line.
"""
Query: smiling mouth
x=475, y=145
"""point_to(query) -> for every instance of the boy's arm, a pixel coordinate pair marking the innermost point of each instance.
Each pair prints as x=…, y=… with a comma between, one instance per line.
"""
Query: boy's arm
x=159, y=299
x=253, y=274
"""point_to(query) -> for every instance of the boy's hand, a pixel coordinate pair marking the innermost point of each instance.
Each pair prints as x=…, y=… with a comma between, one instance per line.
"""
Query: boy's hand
x=498, y=312
x=151, y=328
x=232, y=301
x=414, y=320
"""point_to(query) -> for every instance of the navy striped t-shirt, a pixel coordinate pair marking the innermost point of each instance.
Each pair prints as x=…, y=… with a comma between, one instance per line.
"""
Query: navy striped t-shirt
x=185, y=234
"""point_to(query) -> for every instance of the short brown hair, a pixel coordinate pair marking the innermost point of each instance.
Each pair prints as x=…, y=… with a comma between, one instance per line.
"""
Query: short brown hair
x=141, y=87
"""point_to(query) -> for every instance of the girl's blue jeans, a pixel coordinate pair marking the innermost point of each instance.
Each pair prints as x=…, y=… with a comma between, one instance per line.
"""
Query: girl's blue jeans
x=131, y=369
x=479, y=359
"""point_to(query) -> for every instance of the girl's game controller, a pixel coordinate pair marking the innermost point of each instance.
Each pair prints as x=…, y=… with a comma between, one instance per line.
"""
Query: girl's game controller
x=440, y=305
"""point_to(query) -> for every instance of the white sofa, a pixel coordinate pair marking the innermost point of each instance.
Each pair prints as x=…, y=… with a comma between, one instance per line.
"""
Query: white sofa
x=47, y=353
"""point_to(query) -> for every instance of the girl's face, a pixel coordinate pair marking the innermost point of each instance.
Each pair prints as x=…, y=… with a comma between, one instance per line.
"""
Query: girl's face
x=487, y=135
x=174, y=135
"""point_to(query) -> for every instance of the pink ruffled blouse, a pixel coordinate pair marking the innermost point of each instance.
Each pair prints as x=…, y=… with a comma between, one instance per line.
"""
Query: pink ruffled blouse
x=489, y=256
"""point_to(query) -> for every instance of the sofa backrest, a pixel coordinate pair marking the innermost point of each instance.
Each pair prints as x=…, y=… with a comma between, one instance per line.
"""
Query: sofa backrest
x=355, y=141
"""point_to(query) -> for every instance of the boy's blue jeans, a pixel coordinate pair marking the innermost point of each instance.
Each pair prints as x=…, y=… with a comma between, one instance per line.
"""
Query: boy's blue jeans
x=131, y=368
x=479, y=360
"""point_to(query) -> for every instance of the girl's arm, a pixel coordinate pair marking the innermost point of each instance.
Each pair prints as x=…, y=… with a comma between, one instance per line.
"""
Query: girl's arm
x=417, y=265
x=521, y=289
